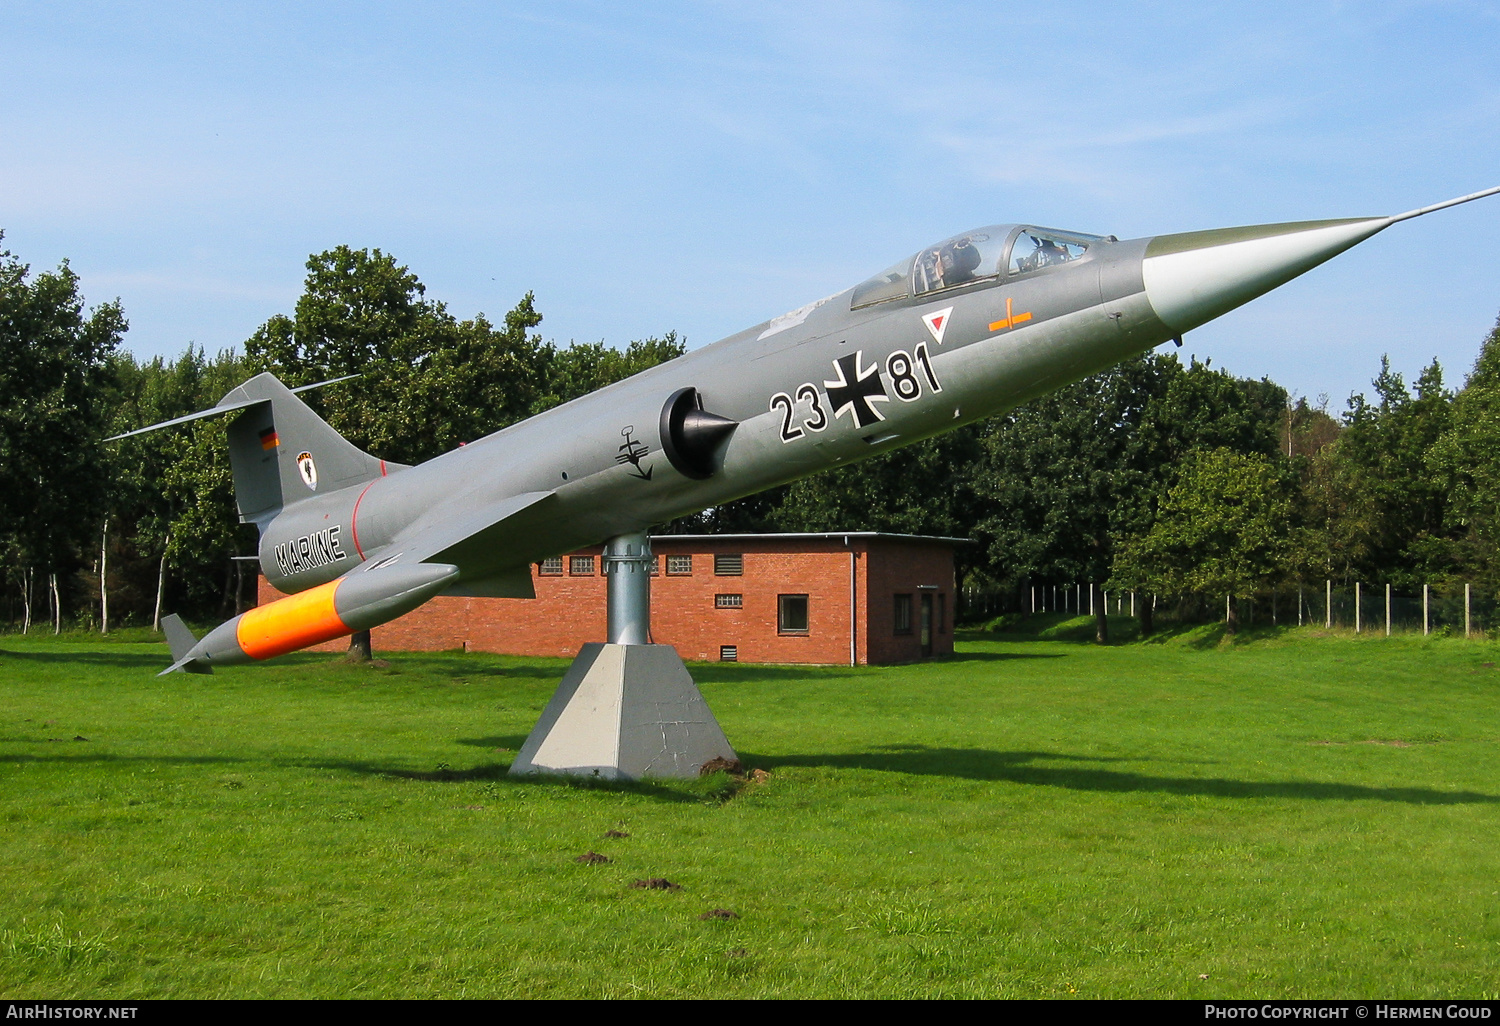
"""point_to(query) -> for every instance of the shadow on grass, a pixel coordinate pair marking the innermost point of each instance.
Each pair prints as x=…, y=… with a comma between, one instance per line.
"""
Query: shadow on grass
x=510, y=742
x=714, y=787
x=754, y=673
x=136, y=661
x=76, y=756
x=1026, y=768
x=1124, y=630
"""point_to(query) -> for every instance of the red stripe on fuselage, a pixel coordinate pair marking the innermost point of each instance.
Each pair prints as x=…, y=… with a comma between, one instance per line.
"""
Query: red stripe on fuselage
x=354, y=517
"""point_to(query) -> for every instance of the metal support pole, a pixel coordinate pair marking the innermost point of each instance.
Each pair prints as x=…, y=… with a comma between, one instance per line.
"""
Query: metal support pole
x=1357, y=623
x=1426, y=623
x=1388, y=610
x=627, y=565
x=1466, y=610
x=1328, y=605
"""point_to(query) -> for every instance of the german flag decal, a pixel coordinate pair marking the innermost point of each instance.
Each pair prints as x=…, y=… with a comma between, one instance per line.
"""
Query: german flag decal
x=268, y=439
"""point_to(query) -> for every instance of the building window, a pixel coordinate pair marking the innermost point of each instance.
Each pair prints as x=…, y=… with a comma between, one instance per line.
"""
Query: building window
x=729, y=654
x=655, y=566
x=729, y=566
x=550, y=567
x=679, y=566
x=728, y=601
x=581, y=566
x=903, y=614
x=791, y=614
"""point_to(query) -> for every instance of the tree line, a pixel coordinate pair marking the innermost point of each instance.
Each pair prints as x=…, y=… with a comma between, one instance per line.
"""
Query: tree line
x=1156, y=475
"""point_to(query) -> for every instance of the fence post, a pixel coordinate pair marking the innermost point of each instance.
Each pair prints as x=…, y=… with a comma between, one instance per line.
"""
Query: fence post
x=1299, y=603
x=1357, y=623
x=1466, y=611
x=1328, y=604
x=1388, y=610
x=1426, y=628
x=1227, y=599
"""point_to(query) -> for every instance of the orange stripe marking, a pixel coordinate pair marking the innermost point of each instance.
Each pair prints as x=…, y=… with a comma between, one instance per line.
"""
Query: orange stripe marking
x=291, y=623
x=1011, y=320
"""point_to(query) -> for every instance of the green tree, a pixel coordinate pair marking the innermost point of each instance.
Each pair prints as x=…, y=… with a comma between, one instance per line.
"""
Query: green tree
x=178, y=526
x=1058, y=473
x=923, y=488
x=1465, y=460
x=582, y=368
x=427, y=381
x=1224, y=527
x=1381, y=507
x=54, y=373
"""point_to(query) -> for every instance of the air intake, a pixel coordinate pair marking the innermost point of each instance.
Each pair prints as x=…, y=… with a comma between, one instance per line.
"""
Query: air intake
x=691, y=436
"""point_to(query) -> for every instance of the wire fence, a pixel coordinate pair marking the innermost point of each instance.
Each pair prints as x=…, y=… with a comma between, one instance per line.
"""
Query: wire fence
x=1450, y=609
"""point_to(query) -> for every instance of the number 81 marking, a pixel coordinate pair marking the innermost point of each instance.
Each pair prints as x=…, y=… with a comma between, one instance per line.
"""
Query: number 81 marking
x=903, y=371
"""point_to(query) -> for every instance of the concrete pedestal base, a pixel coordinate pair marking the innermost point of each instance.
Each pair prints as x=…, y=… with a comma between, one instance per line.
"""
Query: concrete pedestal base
x=623, y=712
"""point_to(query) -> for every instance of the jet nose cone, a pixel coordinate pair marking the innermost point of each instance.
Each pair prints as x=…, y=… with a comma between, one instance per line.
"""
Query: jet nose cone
x=1196, y=276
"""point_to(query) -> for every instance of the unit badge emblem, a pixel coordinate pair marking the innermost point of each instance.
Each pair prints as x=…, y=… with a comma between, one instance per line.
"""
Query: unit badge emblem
x=308, y=470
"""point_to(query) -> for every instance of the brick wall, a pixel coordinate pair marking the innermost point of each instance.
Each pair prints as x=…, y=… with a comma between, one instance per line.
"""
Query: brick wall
x=908, y=568
x=570, y=610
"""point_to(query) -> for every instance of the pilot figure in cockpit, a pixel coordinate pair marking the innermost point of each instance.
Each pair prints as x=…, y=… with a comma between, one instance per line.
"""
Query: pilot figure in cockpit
x=957, y=261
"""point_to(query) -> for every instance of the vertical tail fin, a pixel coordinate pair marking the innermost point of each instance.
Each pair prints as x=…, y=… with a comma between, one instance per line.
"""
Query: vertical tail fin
x=281, y=451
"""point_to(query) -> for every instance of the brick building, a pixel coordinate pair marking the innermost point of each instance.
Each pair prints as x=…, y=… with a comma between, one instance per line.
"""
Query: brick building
x=846, y=598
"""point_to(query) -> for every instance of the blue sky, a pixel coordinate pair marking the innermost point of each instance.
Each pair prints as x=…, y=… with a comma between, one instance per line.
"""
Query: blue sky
x=703, y=166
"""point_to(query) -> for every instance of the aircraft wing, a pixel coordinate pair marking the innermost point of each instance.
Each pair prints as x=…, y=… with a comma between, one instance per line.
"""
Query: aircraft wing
x=478, y=544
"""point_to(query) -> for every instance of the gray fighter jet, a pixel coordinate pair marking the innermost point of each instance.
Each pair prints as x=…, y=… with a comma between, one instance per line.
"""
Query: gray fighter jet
x=962, y=330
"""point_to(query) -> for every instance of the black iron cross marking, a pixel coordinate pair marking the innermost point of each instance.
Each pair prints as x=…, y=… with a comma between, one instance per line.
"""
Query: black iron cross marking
x=856, y=389
x=632, y=452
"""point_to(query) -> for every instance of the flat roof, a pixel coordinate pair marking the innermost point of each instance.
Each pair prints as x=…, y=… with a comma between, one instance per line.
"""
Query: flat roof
x=814, y=534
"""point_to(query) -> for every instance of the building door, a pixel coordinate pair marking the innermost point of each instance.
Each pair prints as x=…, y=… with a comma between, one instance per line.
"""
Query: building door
x=926, y=624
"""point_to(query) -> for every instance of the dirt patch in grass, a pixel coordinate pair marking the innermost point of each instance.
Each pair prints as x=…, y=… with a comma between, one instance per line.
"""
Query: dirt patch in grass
x=656, y=883
x=733, y=767
x=592, y=858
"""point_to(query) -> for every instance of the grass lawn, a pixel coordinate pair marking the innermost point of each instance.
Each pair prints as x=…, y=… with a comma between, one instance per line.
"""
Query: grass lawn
x=1297, y=815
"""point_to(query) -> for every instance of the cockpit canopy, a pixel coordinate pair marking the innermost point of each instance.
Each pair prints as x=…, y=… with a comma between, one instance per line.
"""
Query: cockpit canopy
x=983, y=254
